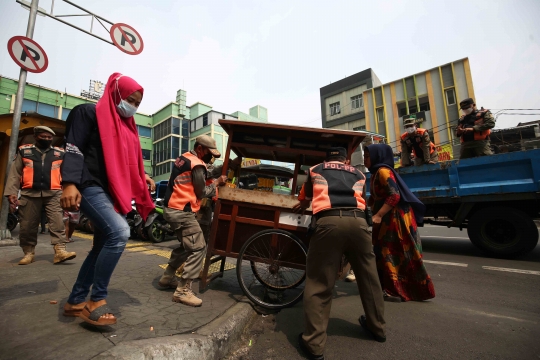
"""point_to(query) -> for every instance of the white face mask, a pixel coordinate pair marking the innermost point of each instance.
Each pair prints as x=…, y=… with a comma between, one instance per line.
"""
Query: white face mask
x=124, y=109
x=468, y=111
x=410, y=129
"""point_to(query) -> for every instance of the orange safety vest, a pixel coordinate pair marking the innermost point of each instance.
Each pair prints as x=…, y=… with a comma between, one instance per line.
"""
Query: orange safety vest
x=470, y=122
x=414, y=140
x=336, y=185
x=41, y=172
x=180, y=194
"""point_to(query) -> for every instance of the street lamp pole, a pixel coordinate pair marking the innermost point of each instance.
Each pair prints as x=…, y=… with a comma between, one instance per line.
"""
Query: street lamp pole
x=14, y=136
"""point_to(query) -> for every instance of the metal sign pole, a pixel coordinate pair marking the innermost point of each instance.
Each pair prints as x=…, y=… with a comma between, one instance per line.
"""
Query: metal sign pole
x=14, y=136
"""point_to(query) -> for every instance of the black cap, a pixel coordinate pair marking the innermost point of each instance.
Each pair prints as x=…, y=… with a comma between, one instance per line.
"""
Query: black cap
x=466, y=102
x=336, y=152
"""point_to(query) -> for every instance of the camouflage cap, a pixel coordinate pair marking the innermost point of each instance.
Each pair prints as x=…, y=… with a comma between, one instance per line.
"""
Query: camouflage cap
x=40, y=129
x=466, y=102
x=409, y=121
x=209, y=143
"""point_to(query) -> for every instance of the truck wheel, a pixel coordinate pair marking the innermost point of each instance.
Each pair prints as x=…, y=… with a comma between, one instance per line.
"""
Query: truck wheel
x=503, y=231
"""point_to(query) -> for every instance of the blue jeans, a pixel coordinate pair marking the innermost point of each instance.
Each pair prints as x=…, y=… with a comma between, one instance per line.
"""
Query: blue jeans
x=111, y=233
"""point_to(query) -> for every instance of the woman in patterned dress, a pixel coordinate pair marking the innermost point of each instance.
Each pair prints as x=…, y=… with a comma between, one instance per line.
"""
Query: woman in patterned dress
x=396, y=241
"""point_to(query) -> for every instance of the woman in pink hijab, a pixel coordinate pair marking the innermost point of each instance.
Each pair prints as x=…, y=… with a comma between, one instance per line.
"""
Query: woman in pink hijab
x=102, y=173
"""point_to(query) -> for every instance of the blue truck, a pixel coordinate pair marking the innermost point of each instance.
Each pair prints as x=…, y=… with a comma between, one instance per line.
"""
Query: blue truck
x=496, y=198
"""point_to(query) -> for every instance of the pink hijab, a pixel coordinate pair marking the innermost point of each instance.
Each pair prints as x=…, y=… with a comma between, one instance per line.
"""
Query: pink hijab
x=122, y=149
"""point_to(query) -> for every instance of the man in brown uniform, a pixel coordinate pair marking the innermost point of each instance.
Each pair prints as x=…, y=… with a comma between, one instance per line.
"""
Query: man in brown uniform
x=474, y=128
x=417, y=141
x=336, y=191
x=36, y=171
x=186, y=187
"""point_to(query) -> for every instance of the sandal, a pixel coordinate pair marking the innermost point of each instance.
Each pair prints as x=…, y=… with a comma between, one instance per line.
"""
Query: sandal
x=391, y=298
x=74, y=310
x=95, y=318
x=70, y=240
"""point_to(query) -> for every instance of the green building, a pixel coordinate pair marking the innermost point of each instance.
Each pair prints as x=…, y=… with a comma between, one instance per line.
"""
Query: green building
x=164, y=135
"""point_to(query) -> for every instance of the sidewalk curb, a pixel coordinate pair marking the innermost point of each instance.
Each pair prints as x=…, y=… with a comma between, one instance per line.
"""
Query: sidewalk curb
x=211, y=341
x=9, y=242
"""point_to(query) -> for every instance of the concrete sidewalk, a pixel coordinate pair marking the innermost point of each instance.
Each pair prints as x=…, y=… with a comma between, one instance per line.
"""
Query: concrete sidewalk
x=149, y=324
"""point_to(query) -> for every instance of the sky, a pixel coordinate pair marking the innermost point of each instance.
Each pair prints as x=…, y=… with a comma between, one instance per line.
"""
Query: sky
x=234, y=55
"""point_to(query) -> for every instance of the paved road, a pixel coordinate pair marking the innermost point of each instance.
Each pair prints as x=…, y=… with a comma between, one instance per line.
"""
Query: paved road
x=484, y=309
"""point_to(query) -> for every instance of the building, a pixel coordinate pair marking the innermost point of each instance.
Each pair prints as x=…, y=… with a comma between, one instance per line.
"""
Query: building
x=432, y=95
x=342, y=103
x=164, y=135
x=57, y=104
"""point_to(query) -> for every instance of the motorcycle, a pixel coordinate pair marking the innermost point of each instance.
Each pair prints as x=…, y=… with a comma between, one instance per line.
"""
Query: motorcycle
x=134, y=220
x=156, y=228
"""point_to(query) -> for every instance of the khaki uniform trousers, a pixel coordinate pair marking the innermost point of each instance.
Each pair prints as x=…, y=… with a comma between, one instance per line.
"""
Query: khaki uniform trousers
x=30, y=217
x=192, y=249
x=333, y=237
x=204, y=217
x=470, y=149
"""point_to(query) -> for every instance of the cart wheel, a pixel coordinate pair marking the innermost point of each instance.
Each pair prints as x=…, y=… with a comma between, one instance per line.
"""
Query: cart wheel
x=271, y=268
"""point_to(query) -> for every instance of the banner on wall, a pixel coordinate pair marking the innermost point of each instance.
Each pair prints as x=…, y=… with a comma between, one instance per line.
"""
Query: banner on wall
x=250, y=162
x=445, y=152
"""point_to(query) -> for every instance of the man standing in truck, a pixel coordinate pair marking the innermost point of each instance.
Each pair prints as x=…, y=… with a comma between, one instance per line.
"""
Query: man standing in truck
x=417, y=141
x=474, y=129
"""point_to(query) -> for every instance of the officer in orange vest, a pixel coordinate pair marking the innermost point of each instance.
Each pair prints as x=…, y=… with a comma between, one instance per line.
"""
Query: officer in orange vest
x=473, y=129
x=417, y=141
x=36, y=172
x=185, y=190
x=336, y=192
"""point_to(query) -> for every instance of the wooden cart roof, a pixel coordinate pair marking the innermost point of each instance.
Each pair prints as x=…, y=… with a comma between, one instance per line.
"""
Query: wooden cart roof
x=286, y=143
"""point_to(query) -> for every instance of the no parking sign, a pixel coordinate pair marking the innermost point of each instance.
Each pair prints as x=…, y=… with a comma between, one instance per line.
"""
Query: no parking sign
x=28, y=54
x=126, y=39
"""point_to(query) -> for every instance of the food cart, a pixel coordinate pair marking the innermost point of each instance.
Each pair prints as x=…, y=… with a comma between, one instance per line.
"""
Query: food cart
x=258, y=228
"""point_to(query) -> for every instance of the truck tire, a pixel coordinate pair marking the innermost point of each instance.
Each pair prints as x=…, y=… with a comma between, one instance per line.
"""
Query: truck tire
x=503, y=231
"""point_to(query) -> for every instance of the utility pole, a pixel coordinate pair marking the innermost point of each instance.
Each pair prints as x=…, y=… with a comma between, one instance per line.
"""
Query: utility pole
x=14, y=136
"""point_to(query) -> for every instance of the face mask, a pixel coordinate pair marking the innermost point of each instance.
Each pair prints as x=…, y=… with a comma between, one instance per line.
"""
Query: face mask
x=468, y=111
x=410, y=130
x=207, y=158
x=125, y=109
x=43, y=144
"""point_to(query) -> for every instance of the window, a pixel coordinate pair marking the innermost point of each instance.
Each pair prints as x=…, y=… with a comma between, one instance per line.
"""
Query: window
x=65, y=113
x=185, y=145
x=162, y=130
x=185, y=128
x=357, y=102
x=334, y=109
x=163, y=168
x=146, y=154
x=142, y=130
x=192, y=125
x=424, y=103
x=175, y=147
x=380, y=114
x=175, y=126
x=450, y=97
x=162, y=150
x=402, y=109
x=360, y=128
x=205, y=120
